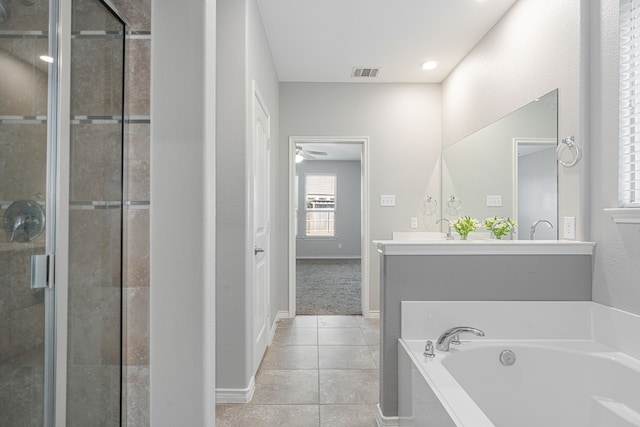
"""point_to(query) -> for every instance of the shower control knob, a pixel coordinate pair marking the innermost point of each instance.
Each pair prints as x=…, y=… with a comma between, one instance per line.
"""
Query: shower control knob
x=23, y=221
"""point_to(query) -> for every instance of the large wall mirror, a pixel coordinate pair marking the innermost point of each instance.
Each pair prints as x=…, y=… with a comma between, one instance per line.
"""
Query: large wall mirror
x=508, y=169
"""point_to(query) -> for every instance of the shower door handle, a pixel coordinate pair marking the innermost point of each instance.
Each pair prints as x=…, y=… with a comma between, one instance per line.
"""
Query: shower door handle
x=40, y=271
x=257, y=250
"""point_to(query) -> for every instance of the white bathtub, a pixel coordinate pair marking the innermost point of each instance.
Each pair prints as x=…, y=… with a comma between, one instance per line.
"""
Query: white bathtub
x=574, y=366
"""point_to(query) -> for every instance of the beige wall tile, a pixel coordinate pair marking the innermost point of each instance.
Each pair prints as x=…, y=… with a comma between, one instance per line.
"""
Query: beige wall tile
x=16, y=403
x=22, y=161
x=90, y=15
x=137, y=248
x=24, y=82
x=139, y=141
x=96, y=78
x=89, y=396
x=96, y=162
x=137, y=13
x=23, y=17
x=138, y=59
x=94, y=248
x=136, y=386
x=27, y=328
x=136, y=326
x=94, y=326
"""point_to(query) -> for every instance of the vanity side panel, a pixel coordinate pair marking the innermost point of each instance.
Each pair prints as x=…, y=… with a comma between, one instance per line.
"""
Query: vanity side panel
x=468, y=278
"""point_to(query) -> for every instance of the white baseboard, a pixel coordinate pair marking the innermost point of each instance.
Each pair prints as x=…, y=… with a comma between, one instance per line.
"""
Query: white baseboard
x=279, y=316
x=374, y=314
x=236, y=395
x=383, y=421
x=330, y=257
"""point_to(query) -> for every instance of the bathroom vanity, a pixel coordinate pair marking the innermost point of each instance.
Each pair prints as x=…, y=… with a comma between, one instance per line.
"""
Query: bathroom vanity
x=480, y=270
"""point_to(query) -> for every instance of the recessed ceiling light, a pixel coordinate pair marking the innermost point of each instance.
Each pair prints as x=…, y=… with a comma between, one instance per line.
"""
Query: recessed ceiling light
x=46, y=58
x=429, y=65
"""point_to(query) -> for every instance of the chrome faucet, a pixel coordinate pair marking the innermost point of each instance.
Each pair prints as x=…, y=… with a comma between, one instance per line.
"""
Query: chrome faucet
x=448, y=236
x=532, y=235
x=447, y=336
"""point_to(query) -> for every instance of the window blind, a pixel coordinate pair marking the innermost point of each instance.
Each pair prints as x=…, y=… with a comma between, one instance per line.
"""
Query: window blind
x=629, y=142
x=320, y=205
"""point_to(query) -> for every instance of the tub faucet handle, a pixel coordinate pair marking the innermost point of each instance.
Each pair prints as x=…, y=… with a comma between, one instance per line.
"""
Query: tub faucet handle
x=428, y=349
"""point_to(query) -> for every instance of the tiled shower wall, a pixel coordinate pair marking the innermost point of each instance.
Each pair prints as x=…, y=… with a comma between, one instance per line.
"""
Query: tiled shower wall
x=137, y=13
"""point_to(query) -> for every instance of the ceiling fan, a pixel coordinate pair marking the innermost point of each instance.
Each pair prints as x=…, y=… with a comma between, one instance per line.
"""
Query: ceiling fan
x=308, y=154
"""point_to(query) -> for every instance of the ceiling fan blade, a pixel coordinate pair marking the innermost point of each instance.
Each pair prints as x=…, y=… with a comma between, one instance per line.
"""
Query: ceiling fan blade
x=306, y=155
x=317, y=153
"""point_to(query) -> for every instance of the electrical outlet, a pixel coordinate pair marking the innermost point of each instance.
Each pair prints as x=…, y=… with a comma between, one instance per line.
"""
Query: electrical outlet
x=414, y=222
x=387, y=200
x=339, y=245
x=569, y=230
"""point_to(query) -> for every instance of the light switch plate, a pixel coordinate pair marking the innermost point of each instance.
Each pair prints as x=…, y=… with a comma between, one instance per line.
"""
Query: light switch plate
x=495, y=200
x=387, y=200
x=414, y=222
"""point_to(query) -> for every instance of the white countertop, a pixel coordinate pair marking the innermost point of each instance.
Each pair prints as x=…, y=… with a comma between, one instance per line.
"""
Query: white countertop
x=484, y=247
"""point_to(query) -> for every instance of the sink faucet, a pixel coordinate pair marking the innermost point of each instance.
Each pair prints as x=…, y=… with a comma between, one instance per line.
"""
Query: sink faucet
x=535, y=224
x=448, y=335
x=448, y=235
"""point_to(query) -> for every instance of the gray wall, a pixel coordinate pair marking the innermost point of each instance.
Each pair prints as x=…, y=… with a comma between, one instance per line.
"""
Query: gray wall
x=243, y=56
x=182, y=324
x=617, y=268
x=348, y=211
x=403, y=124
x=469, y=278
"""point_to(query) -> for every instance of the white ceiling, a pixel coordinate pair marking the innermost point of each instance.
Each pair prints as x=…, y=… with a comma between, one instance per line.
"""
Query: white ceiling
x=322, y=40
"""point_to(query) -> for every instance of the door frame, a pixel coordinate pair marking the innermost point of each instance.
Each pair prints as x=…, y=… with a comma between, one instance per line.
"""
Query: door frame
x=363, y=141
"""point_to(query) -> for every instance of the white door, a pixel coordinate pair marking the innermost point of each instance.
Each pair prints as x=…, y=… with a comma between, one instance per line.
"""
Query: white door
x=261, y=305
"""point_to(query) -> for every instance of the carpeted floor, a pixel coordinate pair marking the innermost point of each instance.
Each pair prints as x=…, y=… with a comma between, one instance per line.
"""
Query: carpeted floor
x=328, y=286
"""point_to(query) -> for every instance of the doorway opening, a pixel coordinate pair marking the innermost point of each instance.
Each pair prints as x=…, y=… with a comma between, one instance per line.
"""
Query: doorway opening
x=535, y=174
x=328, y=226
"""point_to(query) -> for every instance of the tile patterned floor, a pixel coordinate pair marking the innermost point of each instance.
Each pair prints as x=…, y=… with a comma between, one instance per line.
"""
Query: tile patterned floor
x=320, y=371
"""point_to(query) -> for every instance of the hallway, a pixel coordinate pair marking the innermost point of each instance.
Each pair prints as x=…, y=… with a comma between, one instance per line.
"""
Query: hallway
x=319, y=371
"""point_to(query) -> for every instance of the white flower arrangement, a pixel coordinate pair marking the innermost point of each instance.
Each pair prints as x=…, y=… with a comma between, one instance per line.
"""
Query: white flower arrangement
x=498, y=226
x=465, y=225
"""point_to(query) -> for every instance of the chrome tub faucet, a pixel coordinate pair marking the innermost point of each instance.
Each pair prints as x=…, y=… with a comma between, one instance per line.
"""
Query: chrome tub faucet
x=447, y=336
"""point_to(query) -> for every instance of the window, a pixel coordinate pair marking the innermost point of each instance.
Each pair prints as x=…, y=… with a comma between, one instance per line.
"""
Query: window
x=320, y=203
x=629, y=143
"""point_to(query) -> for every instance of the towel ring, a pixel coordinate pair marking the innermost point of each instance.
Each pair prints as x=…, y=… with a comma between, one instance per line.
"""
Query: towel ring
x=570, y=143
x=453, y=205
x=430, y=206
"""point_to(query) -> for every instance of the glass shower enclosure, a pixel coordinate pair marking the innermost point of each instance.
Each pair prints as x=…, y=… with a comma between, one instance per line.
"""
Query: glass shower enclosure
x=61, y=192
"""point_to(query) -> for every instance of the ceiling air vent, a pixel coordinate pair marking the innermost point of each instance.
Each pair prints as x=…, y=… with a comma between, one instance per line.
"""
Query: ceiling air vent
x=365, y=72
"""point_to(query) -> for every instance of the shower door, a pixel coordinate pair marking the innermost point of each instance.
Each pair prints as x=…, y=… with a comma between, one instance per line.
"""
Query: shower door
x=61, y=184
x=24, y=306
